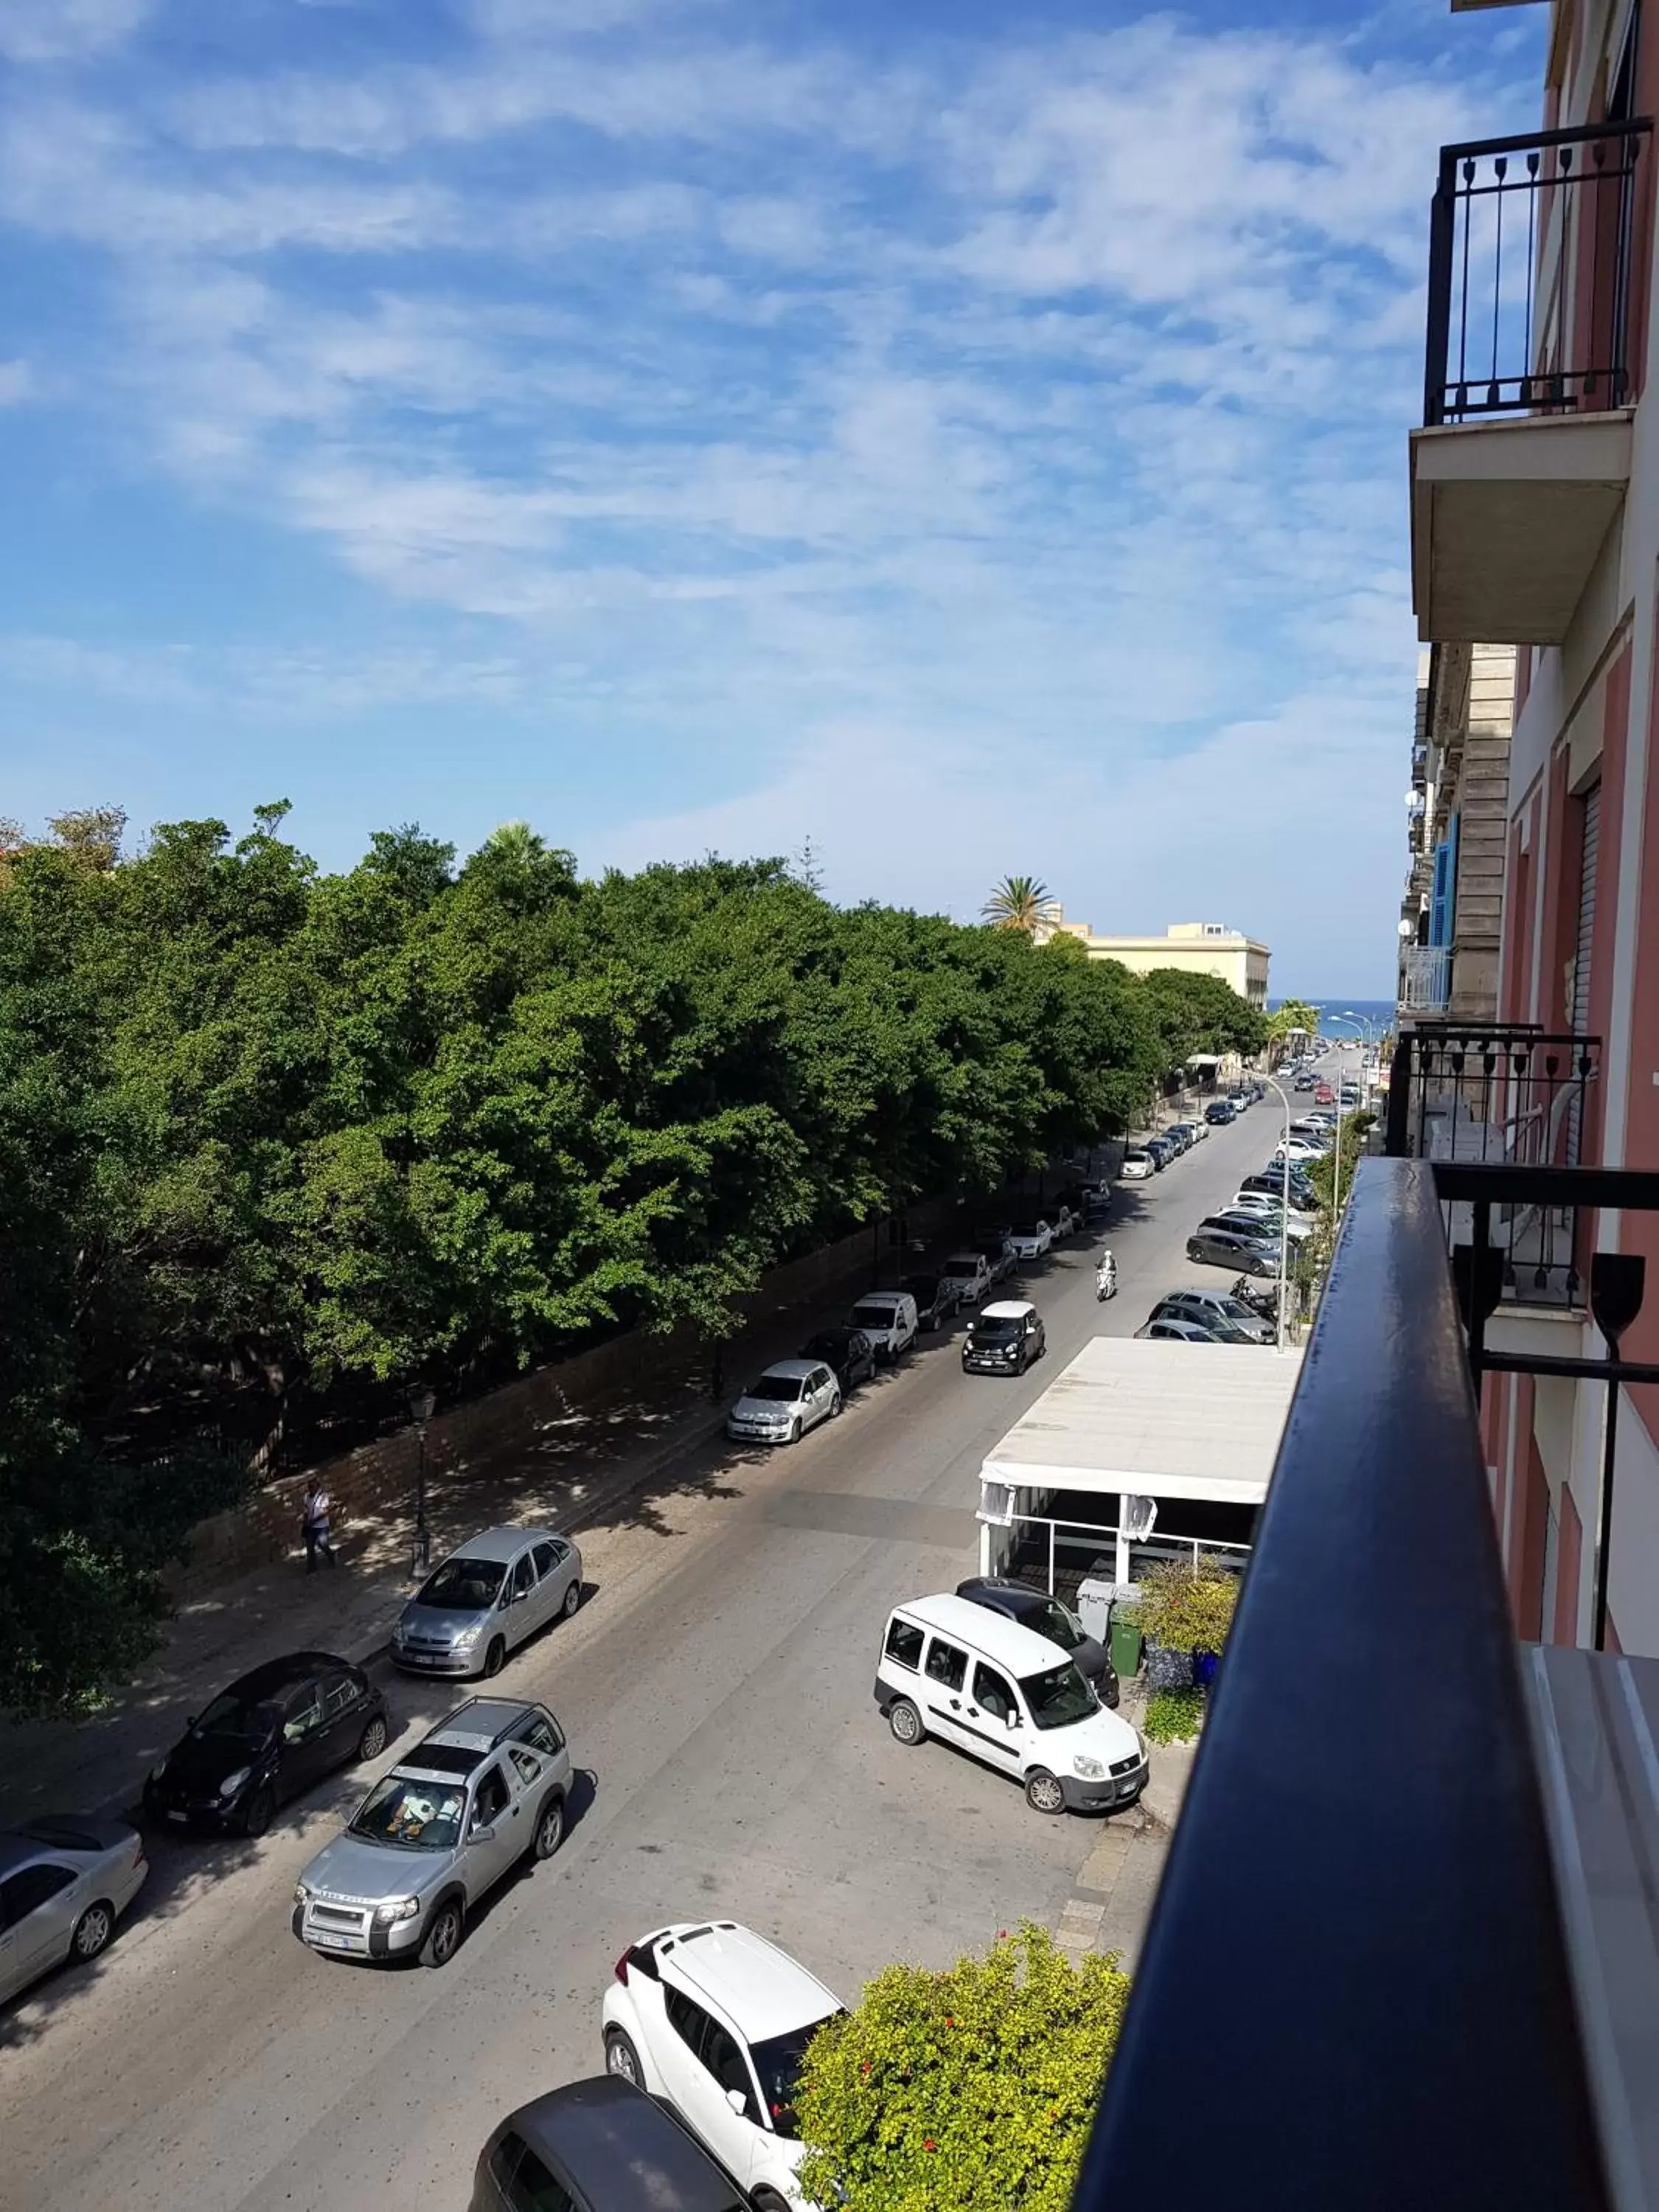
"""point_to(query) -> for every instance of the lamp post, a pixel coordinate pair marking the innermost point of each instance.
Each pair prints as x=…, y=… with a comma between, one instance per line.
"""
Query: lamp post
x=421, y=1402
x=1284, y=1225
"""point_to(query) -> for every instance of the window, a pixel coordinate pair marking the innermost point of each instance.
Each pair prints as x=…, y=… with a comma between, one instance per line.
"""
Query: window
x=526, y=1765
x=524, y=1576
x=540, y=1732
x=27, y=1891
x=904, y=1644
x=946, y=1664
x=491, y=1800
x=689, y=2021
x=305, y=1713
x=546, y=1558
x=721, y=2055
x=525, y=2183
x=991, y=1694
x=340, y=1692
x=821, y=1378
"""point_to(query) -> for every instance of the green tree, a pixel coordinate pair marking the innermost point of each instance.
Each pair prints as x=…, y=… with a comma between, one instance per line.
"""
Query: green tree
x=970, y=2090
x=1020, y=902
x=1293, y=1016
x=1202, y=1013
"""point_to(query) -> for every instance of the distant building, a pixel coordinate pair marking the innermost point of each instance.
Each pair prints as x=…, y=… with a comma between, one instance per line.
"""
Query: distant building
x=1200, y=948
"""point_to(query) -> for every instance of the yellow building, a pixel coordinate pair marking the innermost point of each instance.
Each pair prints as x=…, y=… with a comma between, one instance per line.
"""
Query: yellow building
x=1200, y=948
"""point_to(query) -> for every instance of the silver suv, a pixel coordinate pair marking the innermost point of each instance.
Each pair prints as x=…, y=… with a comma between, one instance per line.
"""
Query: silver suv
x=485, y=1789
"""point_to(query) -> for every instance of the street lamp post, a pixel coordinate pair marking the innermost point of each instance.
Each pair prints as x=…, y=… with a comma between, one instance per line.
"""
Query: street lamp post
x=1285, y=1225
x=421, y=1402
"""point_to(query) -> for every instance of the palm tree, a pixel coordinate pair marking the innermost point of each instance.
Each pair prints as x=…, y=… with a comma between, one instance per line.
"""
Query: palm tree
x=1020, y=902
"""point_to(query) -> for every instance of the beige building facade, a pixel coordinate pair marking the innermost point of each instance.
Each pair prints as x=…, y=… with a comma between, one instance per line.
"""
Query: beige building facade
x=1201, y=948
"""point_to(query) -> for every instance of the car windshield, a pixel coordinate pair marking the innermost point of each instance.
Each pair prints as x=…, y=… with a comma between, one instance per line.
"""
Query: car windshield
x=1059, y=1697
x=785, y=1387
x=416, y=1816
x=777, y=2068
x=996, y=1326
x=923, y=1289
x=1057, y=1622
x=873, y=1316
x=963, y=1264
x=234, y=1715
x=464, y=1585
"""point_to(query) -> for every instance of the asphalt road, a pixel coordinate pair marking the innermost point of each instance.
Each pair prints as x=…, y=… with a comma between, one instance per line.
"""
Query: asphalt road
x=716, y=1688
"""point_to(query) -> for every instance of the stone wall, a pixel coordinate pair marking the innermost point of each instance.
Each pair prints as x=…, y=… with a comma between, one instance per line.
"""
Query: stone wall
x=366, y=1484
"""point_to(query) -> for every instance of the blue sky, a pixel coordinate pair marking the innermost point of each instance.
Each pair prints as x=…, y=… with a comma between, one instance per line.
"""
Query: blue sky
x=972, y=436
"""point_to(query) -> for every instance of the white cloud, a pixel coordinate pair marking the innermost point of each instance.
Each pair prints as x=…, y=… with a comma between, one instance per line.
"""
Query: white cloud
x=61, y=30
x=16, y=383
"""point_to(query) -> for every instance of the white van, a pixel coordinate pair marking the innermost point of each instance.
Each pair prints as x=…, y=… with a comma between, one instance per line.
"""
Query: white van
x=949, y=1669
x=888, y=1318
x=969, y=1274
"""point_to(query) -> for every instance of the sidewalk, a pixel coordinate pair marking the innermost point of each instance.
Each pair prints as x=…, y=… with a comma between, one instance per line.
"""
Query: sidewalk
x=607, y=1465
x=1117, y=1882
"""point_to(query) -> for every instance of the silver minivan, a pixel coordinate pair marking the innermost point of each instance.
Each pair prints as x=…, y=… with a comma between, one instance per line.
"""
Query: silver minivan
x=491, y=1595
x=487, y=1788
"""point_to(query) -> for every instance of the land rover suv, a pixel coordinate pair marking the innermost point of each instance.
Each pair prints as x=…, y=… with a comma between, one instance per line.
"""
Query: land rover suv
x=486, y=1789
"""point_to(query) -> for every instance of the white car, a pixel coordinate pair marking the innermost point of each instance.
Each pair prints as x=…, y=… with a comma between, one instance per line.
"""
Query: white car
x=1271, y=1211
x=716, y=2019
x=779, y=1407
x=1031, y=1240
x=1298, y=1152
x=1137, y=1167
x=888, y=1319
x=969, y=1274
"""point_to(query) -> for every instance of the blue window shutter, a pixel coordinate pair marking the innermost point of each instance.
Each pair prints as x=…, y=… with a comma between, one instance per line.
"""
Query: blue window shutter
x=1439, y=901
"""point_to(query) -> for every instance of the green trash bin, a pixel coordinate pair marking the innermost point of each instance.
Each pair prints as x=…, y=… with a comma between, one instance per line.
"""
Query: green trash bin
x=1125, y=1642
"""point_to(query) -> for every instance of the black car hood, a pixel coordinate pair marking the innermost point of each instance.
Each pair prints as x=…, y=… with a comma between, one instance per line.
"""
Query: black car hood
x=209, y=1759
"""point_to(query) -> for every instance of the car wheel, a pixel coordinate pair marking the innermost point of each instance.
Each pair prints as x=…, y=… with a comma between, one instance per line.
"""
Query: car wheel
x=835, y=1405
x=494, y=1658
x=765, y=2200
x=793, y=1436
x=256, y=1812
x=572, y=1598
x=443, y=1934
x=1042, y=1793
x=92, y=1932
x=550, y=1827
x=620, y=2057
x=372, y=1742
x=906, y=1723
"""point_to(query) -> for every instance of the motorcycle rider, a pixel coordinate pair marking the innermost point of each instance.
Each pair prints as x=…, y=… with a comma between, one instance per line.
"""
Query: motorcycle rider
x=1106, y=1276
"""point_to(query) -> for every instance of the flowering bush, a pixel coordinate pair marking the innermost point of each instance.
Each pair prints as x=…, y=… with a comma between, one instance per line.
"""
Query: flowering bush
x=970, y=2090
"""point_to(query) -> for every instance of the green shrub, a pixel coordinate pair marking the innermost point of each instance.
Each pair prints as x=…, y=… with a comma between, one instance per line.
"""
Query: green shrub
x=970, y=2090
x=1185, y=1608
x=1173, y=1716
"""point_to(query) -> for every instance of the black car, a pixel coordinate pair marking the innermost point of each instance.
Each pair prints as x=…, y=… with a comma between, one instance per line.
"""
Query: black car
x=1004, y=1338
x=1160, y=1151
x=1220, y=1112
x=1046, y=1616
x=847, y=1351
x=935, y=1300
x=598, y=2146
x=266, y=1739
x=1271, y=1183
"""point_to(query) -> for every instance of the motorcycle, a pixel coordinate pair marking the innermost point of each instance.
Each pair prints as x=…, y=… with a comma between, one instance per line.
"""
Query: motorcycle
x=1106, y=1276
x=1261, y=1298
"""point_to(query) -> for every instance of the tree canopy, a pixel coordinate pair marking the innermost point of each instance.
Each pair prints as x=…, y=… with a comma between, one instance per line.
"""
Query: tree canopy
x=276, y=1143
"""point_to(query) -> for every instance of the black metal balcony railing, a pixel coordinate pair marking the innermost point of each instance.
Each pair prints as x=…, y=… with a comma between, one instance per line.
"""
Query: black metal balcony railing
x=1529, y=266
x=1355, y=1989
x=1501, y=1095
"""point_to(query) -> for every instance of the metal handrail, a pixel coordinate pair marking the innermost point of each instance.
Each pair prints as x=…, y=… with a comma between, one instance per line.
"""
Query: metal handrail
x=1355, y=1968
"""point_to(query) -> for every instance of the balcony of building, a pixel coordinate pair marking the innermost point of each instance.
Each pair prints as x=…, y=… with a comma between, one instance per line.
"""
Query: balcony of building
x=1521, y=465
x=1424, y=978
x=1406, y=1951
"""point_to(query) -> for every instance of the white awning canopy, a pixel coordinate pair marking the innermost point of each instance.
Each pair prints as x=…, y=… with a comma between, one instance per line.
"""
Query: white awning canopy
x=1160, y=1419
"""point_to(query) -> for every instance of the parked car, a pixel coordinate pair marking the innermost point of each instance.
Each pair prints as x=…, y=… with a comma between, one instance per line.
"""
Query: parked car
x=1097, y=1200
x=1138, y=1165
x=716, y=2019
x=1061, y=1218
x=1004, y=1338
x=1271, y=1183
x=1242, y=1223
x=485, y=1789
x=1047, y=1616
x=65, y=1879
x=1161, y=1152
x=1031, y=1240
x=779, y=1407
x=598, y=2146
x=847, y=1353
x=1173, y=1330
x=1000, y=1256
x=1180, y=1134
x=1226, y=1247
x=1220, y=1112
x=491, y=1595
x=1268, y=1206
x=1299, y=1150
x=936, y=1301
x=888, y=1319
x=992, y=1688
x=267, y=1739
x=1212, y=1308
x=968, y=1275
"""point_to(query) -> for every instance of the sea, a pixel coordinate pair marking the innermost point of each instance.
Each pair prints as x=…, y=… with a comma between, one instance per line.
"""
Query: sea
x=1377, y=1014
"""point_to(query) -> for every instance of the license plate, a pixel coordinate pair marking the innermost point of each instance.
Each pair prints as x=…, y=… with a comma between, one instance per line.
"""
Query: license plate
x=331, y=1942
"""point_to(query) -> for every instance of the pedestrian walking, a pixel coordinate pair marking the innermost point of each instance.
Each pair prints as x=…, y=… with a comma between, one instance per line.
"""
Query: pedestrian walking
x=314, y=1526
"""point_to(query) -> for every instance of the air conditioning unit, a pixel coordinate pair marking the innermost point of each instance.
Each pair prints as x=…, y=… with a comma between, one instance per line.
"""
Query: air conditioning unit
x=1140, y=1518
x=996, y=1503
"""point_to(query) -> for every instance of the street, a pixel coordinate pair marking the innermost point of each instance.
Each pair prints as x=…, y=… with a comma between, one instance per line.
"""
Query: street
x=716, y=1689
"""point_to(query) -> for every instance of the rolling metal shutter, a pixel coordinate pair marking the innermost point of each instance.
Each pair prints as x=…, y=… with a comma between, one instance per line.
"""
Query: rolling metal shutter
x=1581, y=962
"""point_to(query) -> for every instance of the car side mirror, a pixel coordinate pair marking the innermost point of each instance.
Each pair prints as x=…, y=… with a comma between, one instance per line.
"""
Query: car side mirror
x=484, y=1834
x=737, y=2100
x=1013, y=1720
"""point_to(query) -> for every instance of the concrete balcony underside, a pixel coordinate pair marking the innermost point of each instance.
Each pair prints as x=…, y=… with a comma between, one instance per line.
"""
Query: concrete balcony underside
x=1508, y=517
